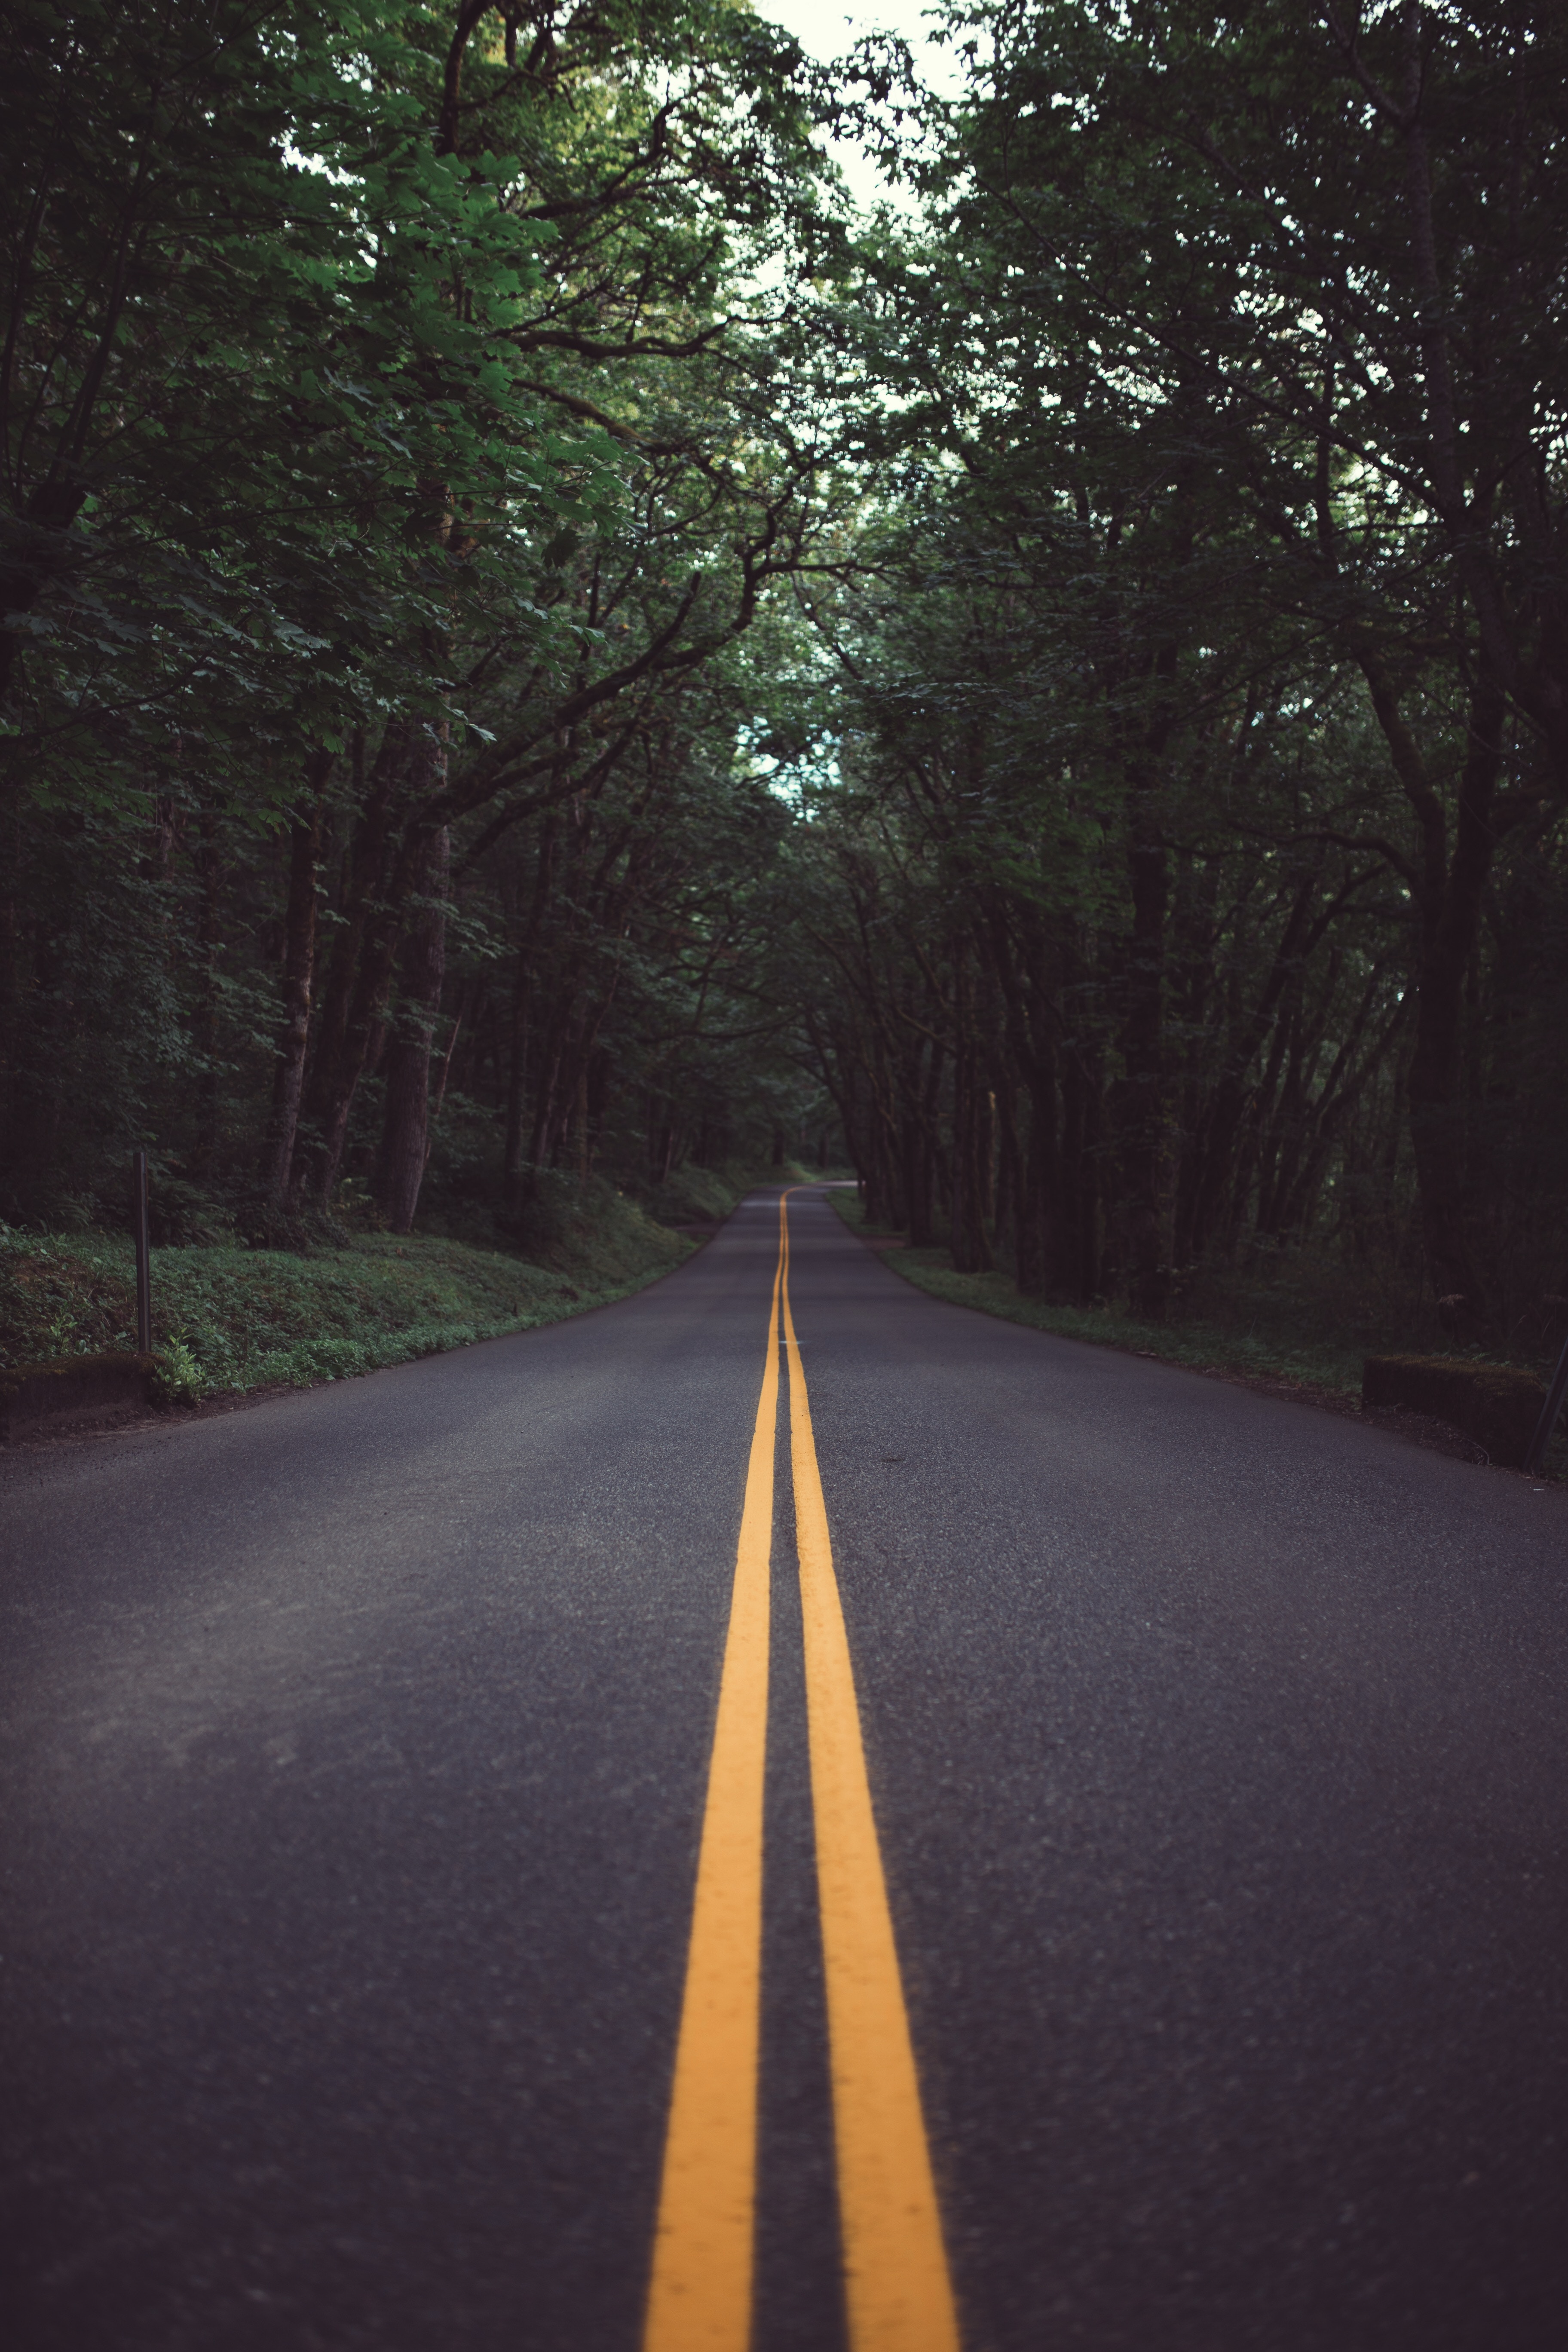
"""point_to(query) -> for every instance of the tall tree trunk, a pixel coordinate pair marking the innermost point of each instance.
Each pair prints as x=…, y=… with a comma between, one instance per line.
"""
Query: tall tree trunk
x=581, y=1155
x=379, y=882
x=404, y=1134
x=516, y=1080
x=970, y=1241
x=298, y=980
x=523, y=1012
x=1438, y=1115
x=1448, y=892
x=1038, y=1222
x=1210, y=1176
x=1144, y=1149
x=1009, y=1200
x=209, y=940
x=559, y=1072
x=1014, y=939
x=923, y=1202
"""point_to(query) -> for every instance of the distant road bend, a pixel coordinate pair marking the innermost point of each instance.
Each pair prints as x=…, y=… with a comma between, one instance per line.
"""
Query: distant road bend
x=782, y=1816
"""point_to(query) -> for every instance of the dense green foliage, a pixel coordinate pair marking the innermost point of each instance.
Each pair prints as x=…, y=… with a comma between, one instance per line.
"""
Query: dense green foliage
x=228, y=1319
x=237, y=1320
x=539, y=644
x=1195, y=881
x=386, y=503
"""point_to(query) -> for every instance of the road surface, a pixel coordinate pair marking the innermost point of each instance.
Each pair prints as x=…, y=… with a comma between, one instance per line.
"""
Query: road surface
x=1142, y=1926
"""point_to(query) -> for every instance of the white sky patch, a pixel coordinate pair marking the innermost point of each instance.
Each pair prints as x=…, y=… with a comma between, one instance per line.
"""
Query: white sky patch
x=828, y=28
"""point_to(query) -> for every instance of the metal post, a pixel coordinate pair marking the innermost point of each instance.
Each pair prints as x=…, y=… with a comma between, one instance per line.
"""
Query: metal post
x=143, y=1254
x=1535, y=1452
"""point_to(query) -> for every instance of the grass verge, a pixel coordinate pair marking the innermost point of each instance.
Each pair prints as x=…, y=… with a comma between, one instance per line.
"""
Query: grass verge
x=227, y=1320
x=1200, y=1347
x=1318, y=1370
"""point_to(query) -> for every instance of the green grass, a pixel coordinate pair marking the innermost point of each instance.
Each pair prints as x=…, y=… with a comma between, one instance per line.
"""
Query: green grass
x=228, y=1318
x=1303, y=1349
x=252, y=1319
x=1200, y=1345
x=1316, y=1362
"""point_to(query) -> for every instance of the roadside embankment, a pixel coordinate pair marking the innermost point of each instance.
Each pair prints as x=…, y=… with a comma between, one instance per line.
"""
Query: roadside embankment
x=228, y=1319
x=236, y=1319
x=1316, y=1371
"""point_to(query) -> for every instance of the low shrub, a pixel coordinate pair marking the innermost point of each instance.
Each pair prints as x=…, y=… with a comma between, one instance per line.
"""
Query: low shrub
x=177, y=1377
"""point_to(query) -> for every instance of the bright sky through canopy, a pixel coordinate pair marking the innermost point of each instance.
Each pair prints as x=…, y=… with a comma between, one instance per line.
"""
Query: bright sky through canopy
x=826, y=28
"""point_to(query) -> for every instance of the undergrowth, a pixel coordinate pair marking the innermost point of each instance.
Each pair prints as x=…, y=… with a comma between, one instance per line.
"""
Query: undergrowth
x=229, y=1319
x=1203, y=1347
x=1288, y=1328
x=1297, y=1344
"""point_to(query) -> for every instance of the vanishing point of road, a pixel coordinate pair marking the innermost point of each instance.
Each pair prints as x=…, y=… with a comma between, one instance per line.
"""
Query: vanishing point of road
x=782, y=1816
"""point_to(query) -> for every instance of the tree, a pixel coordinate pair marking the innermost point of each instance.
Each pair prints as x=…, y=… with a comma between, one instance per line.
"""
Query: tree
x=1321, y=257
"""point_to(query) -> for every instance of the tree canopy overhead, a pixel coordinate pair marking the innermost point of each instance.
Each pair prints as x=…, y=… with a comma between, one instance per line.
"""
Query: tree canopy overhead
x=539, y=640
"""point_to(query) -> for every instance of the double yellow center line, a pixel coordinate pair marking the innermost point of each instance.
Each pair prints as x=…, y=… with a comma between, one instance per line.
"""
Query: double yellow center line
x=899, y=2294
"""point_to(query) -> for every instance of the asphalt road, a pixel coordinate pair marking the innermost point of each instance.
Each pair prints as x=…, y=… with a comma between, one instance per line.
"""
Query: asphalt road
x=355, y=1751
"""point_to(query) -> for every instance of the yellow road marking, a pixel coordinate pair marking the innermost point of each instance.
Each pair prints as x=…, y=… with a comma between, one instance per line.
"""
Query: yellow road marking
x=895, y=2276
x=701, y=2295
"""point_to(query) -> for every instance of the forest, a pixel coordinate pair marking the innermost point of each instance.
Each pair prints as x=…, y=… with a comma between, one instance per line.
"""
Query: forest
x=544, y=645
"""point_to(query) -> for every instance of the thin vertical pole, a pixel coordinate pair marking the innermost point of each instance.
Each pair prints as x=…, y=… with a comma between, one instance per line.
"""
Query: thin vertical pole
x=143, y=1254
